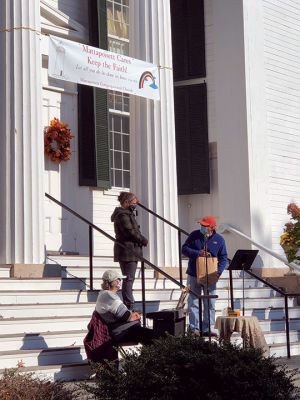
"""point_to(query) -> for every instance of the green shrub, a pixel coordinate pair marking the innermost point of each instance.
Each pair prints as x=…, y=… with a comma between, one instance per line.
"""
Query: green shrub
x=25, y=386
x=191, y=368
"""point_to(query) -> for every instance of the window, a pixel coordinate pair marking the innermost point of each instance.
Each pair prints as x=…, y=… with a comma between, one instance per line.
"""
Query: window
x=103, y=126
x=118, y=18
x=118, y=103
x=119, y=150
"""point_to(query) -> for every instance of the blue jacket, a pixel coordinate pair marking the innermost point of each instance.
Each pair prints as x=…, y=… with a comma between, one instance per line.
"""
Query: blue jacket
x=215, y=245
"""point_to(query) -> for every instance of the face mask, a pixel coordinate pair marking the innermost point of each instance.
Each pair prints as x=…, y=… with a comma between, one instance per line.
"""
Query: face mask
x=119, y=284
x=132, y=207
x=203, y=230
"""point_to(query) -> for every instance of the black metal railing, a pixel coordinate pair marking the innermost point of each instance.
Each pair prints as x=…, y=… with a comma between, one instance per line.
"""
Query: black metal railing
x=142, y=260
x=286, y=307
x=278, y=290
x=179, y=232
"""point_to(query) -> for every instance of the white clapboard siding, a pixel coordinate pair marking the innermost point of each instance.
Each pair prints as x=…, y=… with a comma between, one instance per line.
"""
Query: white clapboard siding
x=282, y=88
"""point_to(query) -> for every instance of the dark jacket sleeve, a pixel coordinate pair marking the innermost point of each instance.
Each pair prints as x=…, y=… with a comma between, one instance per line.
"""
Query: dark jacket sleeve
x=129, y=231
x=222, y=258
x=189, y=248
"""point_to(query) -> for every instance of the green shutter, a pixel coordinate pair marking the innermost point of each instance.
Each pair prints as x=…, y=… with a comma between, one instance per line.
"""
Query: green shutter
x=93, y=134
x=188, y=39
x=102, y=138
x=102, y=24
x=192, y=151
x=86, y=137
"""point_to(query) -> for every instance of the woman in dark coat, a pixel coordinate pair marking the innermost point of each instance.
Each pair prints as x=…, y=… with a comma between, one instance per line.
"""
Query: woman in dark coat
x=128, y=233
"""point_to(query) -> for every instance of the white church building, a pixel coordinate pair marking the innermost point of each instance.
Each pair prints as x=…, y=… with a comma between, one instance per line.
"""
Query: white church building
x=224, y=138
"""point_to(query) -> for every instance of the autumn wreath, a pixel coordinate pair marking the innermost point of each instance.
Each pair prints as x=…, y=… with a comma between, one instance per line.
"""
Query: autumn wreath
x=290, y=239
x=57, y=141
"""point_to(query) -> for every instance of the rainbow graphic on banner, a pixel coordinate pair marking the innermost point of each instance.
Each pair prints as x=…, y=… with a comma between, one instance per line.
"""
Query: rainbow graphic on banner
x=145, y=77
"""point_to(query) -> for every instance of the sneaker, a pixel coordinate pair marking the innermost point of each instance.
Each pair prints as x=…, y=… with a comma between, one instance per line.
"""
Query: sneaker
x=194, y=331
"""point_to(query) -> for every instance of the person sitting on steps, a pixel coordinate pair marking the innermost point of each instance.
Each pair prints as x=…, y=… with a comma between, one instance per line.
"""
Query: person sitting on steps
x=123, y=324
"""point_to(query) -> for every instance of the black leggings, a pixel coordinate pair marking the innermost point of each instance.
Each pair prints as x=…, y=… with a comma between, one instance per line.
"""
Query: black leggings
x=136, y=333
x=128, y=269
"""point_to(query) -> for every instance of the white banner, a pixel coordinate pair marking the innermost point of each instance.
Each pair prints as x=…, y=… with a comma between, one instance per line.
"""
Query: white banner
x=80, y=63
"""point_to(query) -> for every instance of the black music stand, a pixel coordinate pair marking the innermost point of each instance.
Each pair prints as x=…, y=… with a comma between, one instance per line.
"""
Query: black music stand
x=242, y=261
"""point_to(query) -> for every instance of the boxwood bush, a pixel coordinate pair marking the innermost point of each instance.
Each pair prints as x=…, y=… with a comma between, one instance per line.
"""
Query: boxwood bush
x=191, y=368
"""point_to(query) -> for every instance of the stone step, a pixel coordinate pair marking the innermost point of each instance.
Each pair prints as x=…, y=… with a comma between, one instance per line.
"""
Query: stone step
x=79, y=322
x=107, y=262
x=258, y=297
x=67, y=309
x=52, y=356
x=83, y=272
x=5, y=272
x=68, y=338
x=43, y=324
x=70, y=260
x=13, y=284
x=60, y=372
x=279, y=350
x=86, y=308
x=41, y=340
x=76, y=354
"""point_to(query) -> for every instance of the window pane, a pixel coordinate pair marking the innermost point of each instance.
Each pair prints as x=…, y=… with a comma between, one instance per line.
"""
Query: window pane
x=126, y=161
x=126, y=15
x=117, y=141
x=116, y=123
x=118, y=159
x=125, y=125
x=126, y=103
x=125, y=142
x=111, y=140
x=126, y=177
x=118, y=102
x=110, y=122
x=118, y=178
x=110, y=99
x=112, y=177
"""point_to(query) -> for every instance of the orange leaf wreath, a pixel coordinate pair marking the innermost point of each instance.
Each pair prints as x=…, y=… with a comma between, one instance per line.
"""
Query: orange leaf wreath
x=57, y=141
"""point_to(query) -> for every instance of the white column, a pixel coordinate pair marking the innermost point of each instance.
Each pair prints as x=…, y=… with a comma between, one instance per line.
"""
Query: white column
x=21, y=137
x=241, y=120
x=153, y=162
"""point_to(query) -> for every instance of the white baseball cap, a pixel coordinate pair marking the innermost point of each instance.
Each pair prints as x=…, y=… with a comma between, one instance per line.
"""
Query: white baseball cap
x=111, y=275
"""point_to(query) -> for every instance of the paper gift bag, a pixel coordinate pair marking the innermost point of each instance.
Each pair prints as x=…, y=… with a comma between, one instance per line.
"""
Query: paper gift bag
x=212, y=270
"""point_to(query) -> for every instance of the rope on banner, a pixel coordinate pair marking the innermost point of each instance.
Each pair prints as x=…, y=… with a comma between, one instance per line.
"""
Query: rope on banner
x=17, y=28
x=165, y=67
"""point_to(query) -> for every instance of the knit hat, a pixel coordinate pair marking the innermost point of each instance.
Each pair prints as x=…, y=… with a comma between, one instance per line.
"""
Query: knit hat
x=111, y=275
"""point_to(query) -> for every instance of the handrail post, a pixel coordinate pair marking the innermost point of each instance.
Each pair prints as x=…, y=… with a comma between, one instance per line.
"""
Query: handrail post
x=143, y=293
x=231, y=289
x=180, y=256
x=200, y=316
x=287, y=326
x=91, y=256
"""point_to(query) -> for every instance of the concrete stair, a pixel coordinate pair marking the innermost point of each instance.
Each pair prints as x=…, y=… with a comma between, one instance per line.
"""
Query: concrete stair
x=43, y=321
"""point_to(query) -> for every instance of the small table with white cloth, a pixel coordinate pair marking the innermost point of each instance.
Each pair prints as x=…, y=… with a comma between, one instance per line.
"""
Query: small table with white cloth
x=247, y=326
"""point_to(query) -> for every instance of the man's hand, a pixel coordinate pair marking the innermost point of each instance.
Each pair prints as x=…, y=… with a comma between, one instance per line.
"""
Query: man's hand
x=204, y=253
x=134, y=316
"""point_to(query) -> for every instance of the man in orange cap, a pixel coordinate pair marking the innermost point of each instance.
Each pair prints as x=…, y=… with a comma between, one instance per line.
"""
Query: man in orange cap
x=194, y=246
